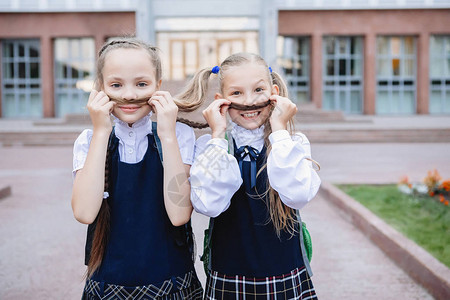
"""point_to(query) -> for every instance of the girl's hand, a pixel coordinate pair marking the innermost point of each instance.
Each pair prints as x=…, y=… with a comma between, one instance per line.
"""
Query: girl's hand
x=216, y=116
x=283, y=111
x=100, y=108
x=166, y=113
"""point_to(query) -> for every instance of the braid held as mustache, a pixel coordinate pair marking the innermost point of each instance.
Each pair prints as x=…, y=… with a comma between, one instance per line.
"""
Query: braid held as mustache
x=249, y=107
x=199, y=125
x=140, y=101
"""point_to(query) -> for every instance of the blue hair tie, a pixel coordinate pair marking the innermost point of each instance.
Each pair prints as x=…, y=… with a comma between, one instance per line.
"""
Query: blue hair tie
x=270, y=69
x=215, y=70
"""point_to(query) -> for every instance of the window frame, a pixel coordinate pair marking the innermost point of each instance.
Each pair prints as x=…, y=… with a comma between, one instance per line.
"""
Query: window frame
x=76, y=89
x=345, y=84
x=296, y=83
x=392, y=84
x=26, y=91
x=440, y=84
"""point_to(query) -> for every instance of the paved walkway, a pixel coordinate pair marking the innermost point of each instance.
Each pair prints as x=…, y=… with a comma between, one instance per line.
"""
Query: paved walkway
x=41, y=249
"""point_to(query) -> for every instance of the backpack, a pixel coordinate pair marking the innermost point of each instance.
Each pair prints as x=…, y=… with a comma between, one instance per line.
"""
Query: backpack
x=304, y=238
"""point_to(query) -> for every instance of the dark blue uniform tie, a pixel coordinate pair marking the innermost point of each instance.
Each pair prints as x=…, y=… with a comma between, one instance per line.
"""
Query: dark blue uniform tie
x=244, y=151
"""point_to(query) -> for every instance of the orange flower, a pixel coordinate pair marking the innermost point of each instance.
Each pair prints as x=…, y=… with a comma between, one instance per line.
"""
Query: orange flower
x=446, y=185
x=431, y=194
x=446, y=203
x=441, y=198
x=432, y=179
x=404, y=180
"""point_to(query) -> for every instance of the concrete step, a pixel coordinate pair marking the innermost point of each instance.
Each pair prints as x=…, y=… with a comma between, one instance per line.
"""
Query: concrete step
x=67, y=137
x=378, y=135
x=69, y=119
x=312, y=115
x=42, y=138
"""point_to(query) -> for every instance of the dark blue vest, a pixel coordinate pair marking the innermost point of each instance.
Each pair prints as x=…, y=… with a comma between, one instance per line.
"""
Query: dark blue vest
x=143, y=246
x=244, y=240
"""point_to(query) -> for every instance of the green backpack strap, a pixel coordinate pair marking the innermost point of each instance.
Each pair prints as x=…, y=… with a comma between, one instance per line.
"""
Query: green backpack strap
x=157, y=140
x=229, y=139
x=305, y=243
x=206, y=256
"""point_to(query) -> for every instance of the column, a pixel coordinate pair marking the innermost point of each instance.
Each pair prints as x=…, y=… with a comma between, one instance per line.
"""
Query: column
x=47, y=77
x=268, y=31
x=1, y=101
x=370, y=76
x=316, y=69
x=423, y=71
x=145, y=21
x=99, y=42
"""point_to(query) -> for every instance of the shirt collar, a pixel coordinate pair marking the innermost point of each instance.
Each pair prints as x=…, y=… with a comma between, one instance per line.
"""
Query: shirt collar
x=248, y=137
x=135, y=132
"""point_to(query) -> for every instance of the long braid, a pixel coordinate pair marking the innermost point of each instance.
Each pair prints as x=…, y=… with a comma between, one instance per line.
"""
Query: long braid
x=102, y=226
x=193, y=124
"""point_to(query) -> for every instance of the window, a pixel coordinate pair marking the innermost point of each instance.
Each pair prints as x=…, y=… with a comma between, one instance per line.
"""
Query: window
x=396, y=75
x=226, y=47
x=21, y=79
x=74, y=74
x=185, y=53
x=293, y=59
x=439, y=74
x=343, y=74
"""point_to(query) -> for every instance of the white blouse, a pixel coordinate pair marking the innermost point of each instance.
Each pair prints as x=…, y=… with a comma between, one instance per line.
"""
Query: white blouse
x=133, y=142
x=215, y=174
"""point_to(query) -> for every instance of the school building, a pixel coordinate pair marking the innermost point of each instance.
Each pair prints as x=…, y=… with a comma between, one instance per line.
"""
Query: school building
x=384, y=57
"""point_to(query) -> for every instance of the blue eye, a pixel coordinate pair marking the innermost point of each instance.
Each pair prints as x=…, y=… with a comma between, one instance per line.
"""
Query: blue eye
x=259, y=90
x=142, y=84
x=115, y=85
x=235, y=93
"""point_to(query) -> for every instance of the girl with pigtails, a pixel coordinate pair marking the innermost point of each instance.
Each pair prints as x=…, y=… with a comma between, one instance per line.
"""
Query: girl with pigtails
x=131, y=181
x=252, y=175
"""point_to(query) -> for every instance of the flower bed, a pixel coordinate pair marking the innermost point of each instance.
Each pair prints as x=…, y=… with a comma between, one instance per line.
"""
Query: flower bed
x=432, y=185
x=412, y=211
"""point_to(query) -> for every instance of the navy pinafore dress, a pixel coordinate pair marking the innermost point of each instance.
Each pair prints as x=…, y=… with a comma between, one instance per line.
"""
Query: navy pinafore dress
x=145, y=256
x=248, y=259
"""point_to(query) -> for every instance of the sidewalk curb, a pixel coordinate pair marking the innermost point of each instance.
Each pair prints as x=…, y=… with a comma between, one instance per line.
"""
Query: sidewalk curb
x=413, y=259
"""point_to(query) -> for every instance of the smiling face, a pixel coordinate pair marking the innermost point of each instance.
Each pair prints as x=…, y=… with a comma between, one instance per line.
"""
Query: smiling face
x=129, y=74
x=248, y=84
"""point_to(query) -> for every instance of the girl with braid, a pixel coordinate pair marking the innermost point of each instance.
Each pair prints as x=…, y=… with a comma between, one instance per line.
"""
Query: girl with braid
x=252, y=175
x=131, y=182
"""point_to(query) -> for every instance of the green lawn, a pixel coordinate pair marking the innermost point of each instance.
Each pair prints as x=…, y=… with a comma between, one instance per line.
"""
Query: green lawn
x=420, y=218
